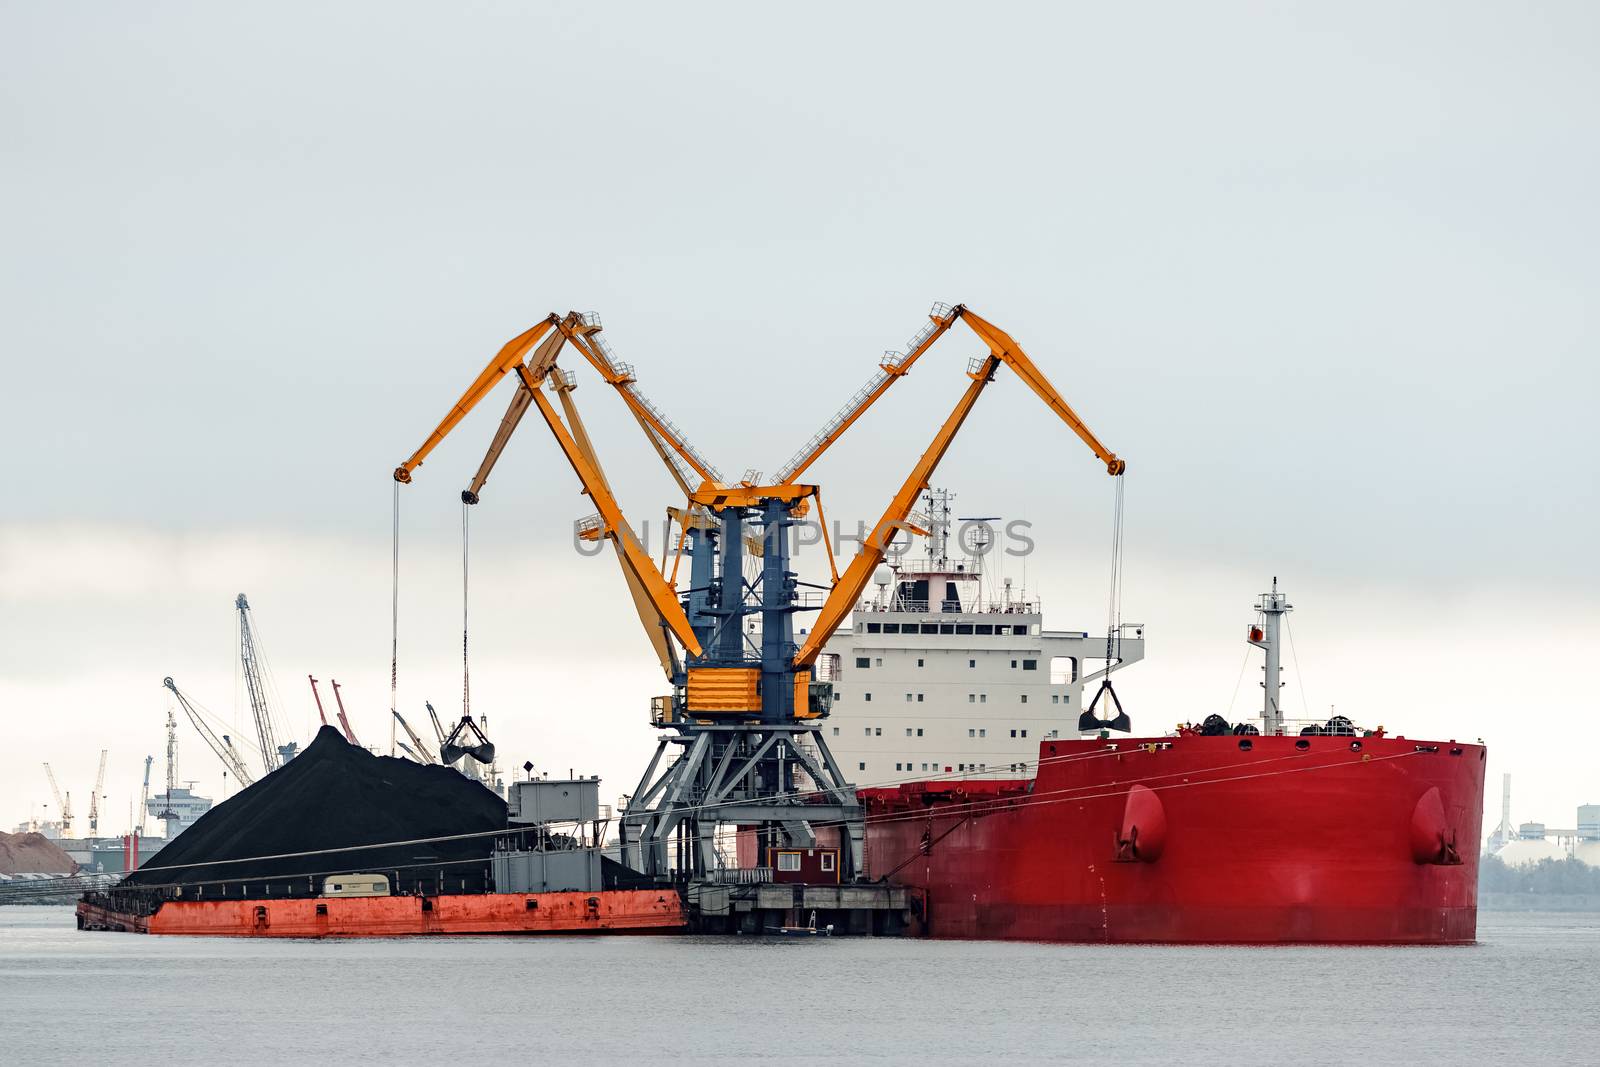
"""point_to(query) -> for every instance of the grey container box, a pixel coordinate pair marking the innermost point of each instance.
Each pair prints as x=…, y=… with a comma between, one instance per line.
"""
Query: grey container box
x=544, y=800
x=572, y=871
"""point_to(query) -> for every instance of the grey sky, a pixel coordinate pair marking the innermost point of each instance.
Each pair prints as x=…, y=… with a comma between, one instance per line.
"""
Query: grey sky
x=1325, y=276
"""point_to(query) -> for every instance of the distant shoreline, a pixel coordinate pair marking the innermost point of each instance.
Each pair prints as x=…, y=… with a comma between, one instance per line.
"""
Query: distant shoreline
x=1538, y=901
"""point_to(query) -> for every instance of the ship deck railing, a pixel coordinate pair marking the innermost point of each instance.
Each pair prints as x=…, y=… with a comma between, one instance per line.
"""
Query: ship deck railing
x=740, y=875
x=921, y=607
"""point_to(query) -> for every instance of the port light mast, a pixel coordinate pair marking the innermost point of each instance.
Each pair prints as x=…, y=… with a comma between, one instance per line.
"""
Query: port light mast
x=1265, y=635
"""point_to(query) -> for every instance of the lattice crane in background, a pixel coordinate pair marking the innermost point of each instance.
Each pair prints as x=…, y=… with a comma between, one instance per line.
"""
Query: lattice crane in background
x=744, y=714
x=94, y=798
x=273, y=755
x=222, y=744
x=144, y=796
x=63, y=802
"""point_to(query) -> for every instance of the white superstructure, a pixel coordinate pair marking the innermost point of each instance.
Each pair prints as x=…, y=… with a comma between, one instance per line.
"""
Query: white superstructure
x=933, y=676
x=177, y=809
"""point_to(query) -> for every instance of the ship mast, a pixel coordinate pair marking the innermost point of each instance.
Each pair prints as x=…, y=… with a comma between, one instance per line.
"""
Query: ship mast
x=1272, y=607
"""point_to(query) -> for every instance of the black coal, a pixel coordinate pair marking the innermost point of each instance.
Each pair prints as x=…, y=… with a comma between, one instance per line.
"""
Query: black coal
x=334, y=796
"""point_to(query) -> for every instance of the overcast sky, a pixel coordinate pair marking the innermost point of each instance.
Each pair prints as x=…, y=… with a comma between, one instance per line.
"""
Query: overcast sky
x=1324, y=275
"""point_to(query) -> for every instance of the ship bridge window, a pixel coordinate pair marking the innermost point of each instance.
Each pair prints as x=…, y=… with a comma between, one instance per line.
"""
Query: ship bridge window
x=947, y=628
x=873, y=628
x=930, y=627
x=963, y=627
x=891, y=627
x=984, y=629
x=1030, y=664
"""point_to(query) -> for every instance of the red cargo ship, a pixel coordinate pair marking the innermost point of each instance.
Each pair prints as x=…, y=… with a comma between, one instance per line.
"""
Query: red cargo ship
x=1259, y=832
x=1251, y=840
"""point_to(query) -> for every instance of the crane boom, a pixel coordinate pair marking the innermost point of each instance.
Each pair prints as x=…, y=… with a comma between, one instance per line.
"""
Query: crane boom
x=509, y=356
x=94, y=798
x=420, y=752
x=1002, y=345
x=842, y=600
x=655, y=626
x=521, y=400
x=892, y=368
x=895, y=366
x=144, y=795
x=587, y=340
x=222, y=746
x=662, y=597
x=63, y=802
x=273, y=755
x=344, y=722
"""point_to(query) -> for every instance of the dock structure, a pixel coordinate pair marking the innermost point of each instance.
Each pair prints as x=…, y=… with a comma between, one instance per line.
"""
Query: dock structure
x=715, y=907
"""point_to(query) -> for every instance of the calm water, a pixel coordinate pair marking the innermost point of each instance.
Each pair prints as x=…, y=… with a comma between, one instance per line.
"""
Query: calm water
x=1528, y=993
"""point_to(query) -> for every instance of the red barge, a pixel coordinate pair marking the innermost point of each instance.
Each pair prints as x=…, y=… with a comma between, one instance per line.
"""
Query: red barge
x=605, y=911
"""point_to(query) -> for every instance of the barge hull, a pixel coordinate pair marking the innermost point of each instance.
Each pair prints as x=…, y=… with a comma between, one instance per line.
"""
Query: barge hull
x=611, y=911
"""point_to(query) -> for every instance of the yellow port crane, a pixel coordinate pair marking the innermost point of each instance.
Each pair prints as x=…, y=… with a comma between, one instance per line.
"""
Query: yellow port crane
x=743, y=706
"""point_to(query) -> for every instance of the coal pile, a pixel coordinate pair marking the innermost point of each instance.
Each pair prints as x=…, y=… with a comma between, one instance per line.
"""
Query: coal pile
x=335, y=796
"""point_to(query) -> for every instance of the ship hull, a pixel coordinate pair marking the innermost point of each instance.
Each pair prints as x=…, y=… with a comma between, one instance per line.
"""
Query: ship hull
x=1283, y=840
x=609, y=911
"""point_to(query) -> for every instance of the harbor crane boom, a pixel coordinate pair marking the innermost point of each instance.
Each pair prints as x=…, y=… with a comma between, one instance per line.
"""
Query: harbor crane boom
x=273, y=755
x=652, y=595
x=222, y=746
x=1003, y=348
x=144, y=796
x=63, y=802
x=94, y=798
x=344, y=721
x=421, y=750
